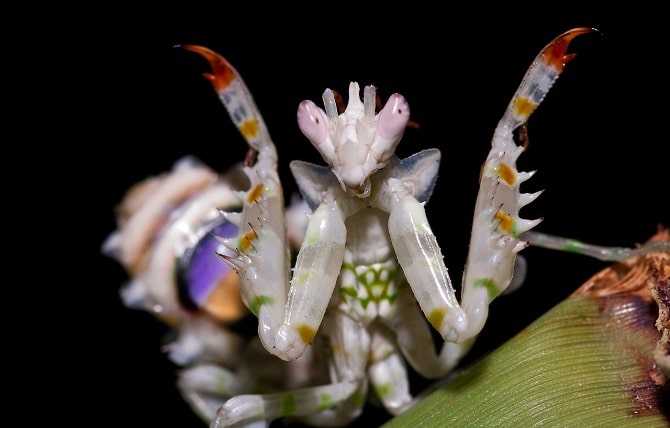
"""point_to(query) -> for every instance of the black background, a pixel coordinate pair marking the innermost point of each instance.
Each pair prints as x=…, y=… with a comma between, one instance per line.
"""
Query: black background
x=598, y=142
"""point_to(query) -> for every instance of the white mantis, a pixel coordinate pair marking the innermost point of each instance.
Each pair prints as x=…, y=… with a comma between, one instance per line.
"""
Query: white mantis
x=369, y=281
x=369, y=271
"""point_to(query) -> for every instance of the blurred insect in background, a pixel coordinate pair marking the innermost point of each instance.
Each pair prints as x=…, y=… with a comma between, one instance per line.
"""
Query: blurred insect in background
x=369, y=282
x=166, y=242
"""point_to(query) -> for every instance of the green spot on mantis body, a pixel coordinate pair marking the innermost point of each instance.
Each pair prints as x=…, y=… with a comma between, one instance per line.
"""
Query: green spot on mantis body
x=288, y=404
x=359, y=399
x=259, y=301
x=383, y=390
x=392, y=297
x=573, y=246
x=325, y=402
x=490, y=285
x=347, y=292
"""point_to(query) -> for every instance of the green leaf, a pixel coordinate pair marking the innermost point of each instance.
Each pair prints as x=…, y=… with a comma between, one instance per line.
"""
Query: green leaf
x=589, y=361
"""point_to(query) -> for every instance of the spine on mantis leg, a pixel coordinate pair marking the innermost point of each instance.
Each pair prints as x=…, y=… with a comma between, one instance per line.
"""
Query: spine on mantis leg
x=262, y=233
x=496, y=225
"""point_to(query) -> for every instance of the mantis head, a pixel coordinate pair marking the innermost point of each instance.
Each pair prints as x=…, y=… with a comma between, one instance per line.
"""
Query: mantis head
x=358, y=142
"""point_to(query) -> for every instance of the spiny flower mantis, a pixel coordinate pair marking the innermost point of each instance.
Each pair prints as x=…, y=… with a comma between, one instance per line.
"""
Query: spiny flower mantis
x=369, y=281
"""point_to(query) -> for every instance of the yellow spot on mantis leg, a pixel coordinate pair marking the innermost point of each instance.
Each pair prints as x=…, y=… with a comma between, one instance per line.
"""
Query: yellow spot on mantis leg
x=524, y=107
x=507, y=174
x=435, y=318
x=306, y=333
x=245, y=240
x=255, y=193
x=249, y=128
x=335, y=349
x=506, y=222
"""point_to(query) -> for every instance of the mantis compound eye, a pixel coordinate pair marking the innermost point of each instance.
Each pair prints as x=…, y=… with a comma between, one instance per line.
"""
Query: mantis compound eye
x=204, y=281
x=392, y=121
x=393, y=118
x=313, y=123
